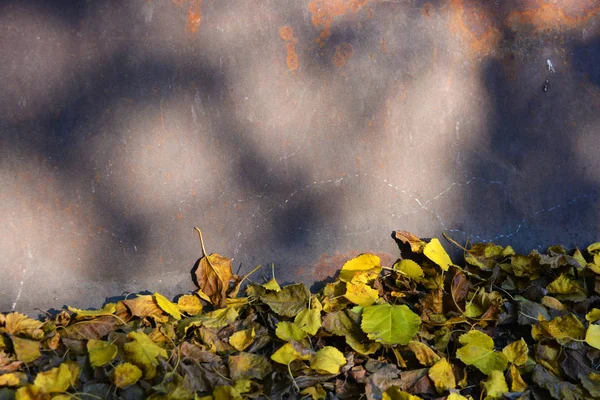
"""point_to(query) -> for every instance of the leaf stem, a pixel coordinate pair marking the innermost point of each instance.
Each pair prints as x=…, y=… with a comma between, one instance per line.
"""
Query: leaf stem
x=204, y=254
x=292, y=376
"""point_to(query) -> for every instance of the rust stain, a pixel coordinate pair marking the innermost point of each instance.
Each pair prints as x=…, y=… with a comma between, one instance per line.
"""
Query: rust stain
x=475, y=27
x=179, y=216
x=549, y=17
x=342, y=53
x=325, y=11
x=427, y=10
x=328, y=265
x=383, y=46
x=194, y=16
x=287, y=34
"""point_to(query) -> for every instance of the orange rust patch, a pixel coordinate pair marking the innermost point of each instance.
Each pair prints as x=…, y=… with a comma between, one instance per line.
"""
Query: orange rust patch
x=179, y=215
x=427, y=10
x=194, y=16
x=325, y=11
x=549, y=17
x=342, y=53
x=292, y=57
x=483, y=41
x=286, y=33
x=327, y=266
x=383, y=46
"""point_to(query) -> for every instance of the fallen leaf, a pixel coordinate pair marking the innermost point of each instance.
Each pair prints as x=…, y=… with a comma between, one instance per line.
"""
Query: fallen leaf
x=328, y=360
x=361, y=294
x=189, y=304
x=26, y=350
x=125, y=375
x=248, y=366
x=55, y=380
x=101, y=352
x=495, y=385
x=167, y=306
x=436, y=253
x=242, y=339
x=442, y=376
x=516, y=352
x=478, y=350
x=592, y=336
x=309, y=320
x=390, y=324
x=368, y=264
x=424, y=353
x=289, y=301
x=108, y=309
x=144, y=353
x=213, y=275
x=416, y=244
x=410, y=269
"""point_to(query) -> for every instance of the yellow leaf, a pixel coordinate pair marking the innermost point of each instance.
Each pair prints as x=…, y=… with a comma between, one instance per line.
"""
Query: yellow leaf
x=101, y=352
x=143, y=352
x=516, y=352
x=243, y=385
x=167, y=306
x=424, y=353
x=13, y=379
x=517, y=383
x=288, y=353
x=436, y=253
x=363, y=263
x=592, y=336
x=566, y=288
x=108, y=309
x=19, y=324
x=226, y=393
x=394, y=393
x=55, y=380
x=495, y=386
x=26, y=350
x=328, y=360
x=189, y=304
x=456, y=396
x=553, y=303
x=289, y=331
x=126, y=374
x=410, y=268
x=442, y=376
x=593, y=315
x=242, y=339
x=361, y=294
x=31, y=392
x=218, y=318
x=315, y=392
x=564, y=327
x=309, y=320
x=272, y=285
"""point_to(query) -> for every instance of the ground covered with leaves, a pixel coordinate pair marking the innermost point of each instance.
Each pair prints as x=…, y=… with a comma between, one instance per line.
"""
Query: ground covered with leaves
x=498, y=325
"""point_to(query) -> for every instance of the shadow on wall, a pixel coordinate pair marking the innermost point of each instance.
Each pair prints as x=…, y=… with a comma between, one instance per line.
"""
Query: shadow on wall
x=539, y=127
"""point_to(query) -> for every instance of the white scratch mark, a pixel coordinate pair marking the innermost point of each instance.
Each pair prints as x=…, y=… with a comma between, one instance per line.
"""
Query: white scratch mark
x=22, y=283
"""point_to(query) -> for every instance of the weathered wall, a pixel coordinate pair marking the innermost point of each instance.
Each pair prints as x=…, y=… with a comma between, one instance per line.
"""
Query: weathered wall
x=298, y=132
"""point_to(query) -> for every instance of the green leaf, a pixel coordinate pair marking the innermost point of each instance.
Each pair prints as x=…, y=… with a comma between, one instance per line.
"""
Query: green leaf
x=328, y=360
x=289, y=301
x=390, y=324
x=478, y=350
x=101, y=352
x=495, y=386
x=410, y=269
x=436, y=253
x=167, y=306
x=125, y=375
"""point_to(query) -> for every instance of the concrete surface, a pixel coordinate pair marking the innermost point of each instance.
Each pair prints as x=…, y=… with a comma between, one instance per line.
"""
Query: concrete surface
x=299, y=132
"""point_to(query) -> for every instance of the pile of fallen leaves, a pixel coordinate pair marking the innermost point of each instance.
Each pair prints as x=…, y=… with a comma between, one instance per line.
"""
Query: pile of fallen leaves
x=503, y=325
